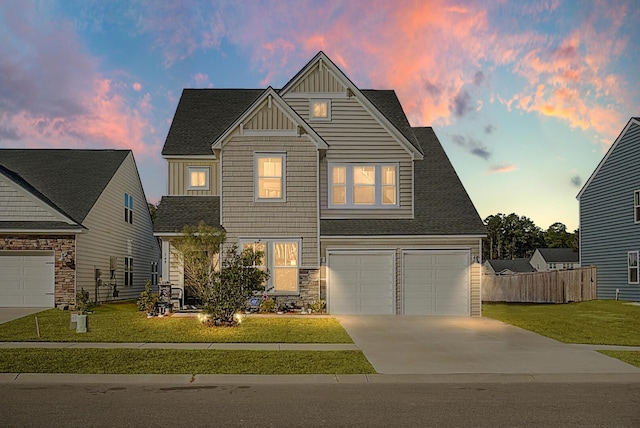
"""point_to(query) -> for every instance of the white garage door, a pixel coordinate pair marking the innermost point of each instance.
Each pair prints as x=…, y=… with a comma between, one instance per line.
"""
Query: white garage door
x=436, y=283
x=361, y=283
x=27, y=280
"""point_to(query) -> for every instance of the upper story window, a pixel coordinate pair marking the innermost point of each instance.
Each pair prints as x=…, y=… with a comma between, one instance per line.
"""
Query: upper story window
x=636, y=206
x=319, y=109
x=270, y=176
x=363, y=186
x=128, y=208
x=198, y=178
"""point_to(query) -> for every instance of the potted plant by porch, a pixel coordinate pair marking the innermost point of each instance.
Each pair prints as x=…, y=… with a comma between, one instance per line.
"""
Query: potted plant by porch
x=82, y=304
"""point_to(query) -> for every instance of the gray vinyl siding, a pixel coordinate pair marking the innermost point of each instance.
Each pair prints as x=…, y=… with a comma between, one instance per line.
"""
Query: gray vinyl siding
x=108, y=233
x=178, y=180
x=18, y=205
x=353, y=135
x=243, y=217
x=398, y=244
x=607, y=228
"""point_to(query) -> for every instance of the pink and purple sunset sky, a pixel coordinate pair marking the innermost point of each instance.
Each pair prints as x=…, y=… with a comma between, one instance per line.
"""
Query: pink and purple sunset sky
x=526, y=97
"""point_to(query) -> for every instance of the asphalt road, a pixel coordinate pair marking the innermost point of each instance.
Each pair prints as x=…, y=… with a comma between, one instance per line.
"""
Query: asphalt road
x=322, y=405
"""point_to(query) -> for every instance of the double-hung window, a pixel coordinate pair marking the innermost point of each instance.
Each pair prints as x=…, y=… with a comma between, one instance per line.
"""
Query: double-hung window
x=282, y=258
x=154, y=273
x=363, y=185
x=632, y=267
x=128, y=271
x=198, y=178
x=270, y=176
x=128, y=208
x=636, y=206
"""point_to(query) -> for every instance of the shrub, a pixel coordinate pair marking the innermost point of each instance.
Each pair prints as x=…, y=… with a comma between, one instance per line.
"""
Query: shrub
x=267, y=305
x=148, y=299
x=82, y=300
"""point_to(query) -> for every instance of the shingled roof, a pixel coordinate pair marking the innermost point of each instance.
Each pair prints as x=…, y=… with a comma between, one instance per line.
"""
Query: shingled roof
x=520, y=265
x=69, y=180
x=203, y=115
x=174, y=212
x=559, y=255
x=442, y=205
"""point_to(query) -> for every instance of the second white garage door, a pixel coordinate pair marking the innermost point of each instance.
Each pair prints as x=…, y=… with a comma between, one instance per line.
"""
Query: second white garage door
x=436, y=283
x=361, y=283
x=26, y=280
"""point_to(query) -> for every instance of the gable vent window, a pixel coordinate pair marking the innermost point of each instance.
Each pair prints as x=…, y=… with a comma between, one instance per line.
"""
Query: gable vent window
x=320, y=110
x=128, y=208
x=636, y=206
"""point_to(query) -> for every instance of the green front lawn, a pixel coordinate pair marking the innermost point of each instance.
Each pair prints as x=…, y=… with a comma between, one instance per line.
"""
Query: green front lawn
x=600, y=322
x=121, y=322
x=173, y=361
x=629, y=357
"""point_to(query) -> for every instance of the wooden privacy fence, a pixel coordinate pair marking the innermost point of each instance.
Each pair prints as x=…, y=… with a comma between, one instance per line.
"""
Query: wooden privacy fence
x=557, y=286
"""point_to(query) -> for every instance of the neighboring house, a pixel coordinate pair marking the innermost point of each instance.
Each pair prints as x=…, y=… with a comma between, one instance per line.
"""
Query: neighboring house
x=546, y=259
x=507, y=267
x=66, y=213
x=350, y=203
x=610, y=217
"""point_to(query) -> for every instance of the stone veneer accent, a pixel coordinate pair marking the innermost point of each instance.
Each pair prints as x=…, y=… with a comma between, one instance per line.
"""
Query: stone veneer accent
x=65, y=271
x=309, y=289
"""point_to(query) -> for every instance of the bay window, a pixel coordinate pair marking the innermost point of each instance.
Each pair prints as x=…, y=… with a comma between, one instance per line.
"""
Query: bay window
x=363, y=186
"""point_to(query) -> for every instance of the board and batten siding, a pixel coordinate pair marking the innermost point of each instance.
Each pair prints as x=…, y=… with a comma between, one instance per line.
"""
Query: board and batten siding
x=400, y=244
x=178, y=180
x=266, y=117
x=108, y=234
x=607, y=227
x=243, y=217
x=18, y=205
x=318, y=79
x=353, y=135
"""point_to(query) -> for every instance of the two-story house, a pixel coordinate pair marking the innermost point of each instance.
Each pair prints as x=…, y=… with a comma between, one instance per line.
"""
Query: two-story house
x=610, y=217
x=72, y=219
x=546, y=259
x=349, y=203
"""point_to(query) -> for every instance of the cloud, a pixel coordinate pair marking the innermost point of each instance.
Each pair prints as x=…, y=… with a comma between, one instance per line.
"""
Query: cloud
x=201, y=79
x=52, y=94
x=462, y=104
x=473, y=146
x=501, y=168
x=137, y=87
x=479, y=78
x=489, y=129
x=576, y=181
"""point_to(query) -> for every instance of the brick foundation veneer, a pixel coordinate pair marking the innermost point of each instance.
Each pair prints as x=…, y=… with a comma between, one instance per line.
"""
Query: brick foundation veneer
x=65, y=271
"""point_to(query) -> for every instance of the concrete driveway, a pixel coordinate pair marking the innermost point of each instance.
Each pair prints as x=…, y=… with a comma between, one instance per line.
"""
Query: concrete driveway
x=447, y=345
x=10, y=314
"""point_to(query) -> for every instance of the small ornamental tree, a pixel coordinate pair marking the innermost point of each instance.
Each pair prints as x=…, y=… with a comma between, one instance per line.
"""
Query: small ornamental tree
x=224, y=288
x=237, y=282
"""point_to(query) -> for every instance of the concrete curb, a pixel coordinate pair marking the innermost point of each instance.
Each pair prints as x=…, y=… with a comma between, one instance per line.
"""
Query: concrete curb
x=207, y=379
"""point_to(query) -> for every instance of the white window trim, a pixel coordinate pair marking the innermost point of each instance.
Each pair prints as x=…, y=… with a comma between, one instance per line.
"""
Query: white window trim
x=313, y=118
x=269, y=261
x=256, y=190
x=637, y=268
x=206, y=171
x=349, y=186
x=636, y=206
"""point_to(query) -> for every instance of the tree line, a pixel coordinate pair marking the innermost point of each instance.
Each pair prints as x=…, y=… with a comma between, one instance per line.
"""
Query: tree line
x=511, y=237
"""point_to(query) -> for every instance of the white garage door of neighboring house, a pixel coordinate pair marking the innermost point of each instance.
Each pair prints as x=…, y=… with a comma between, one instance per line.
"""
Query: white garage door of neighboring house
x=27, y=280
x=361, y=283
x=436, y=282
